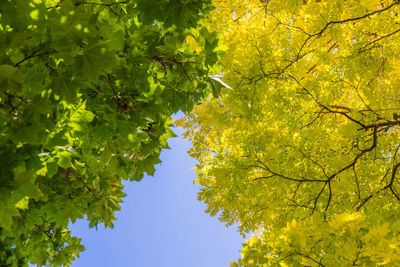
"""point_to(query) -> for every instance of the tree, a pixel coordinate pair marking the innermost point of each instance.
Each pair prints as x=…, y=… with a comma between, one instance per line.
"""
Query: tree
x=86, y=93
x=303, y=151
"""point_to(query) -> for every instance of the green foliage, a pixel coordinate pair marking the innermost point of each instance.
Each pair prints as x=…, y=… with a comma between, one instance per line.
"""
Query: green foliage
x=303, y=150
x=86, y=93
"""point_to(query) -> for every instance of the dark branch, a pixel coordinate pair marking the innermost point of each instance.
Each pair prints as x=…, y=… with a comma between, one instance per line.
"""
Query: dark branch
x=78, y=3
x=35, y=54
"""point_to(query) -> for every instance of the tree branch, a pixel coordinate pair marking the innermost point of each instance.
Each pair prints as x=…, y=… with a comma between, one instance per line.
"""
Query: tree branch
x=78, y=3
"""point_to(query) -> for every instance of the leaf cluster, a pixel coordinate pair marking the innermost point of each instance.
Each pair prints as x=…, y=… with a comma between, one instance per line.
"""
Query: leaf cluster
x=308, y=133
x=87, y=89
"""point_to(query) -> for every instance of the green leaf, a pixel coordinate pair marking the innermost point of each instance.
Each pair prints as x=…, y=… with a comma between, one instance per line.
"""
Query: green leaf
x=23, y=203
x=80, y=117
x=41, y=104
x=25, y=177
x=6, y=216
x=52, y=169
x=167, y=135
x=170, y=46
x=67, y=87
x=58, y=139
x=216, y=86
x=7, y=72
x=211, y=54
x=64, y=160
x=10, y=77
x=94, y=61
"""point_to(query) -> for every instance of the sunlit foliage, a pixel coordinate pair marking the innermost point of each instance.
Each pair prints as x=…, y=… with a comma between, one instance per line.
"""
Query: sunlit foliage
x=303, y=149
x=86, y=93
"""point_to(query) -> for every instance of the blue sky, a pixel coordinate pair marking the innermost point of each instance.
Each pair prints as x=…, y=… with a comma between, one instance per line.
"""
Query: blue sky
x=161, y=223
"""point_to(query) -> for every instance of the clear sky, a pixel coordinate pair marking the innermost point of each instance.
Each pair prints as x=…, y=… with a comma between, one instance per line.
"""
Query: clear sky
x=161, y=223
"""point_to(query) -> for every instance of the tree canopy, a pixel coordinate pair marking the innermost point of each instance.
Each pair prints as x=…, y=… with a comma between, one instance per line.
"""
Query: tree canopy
x=303, y=149
x=87, y=89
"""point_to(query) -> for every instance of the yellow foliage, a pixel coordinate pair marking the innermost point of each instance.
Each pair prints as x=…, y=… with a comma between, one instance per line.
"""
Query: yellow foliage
x=305, y=143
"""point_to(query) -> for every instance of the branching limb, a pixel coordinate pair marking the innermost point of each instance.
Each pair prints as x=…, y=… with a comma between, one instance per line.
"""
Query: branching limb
x=37, y=54
x=78, y=3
